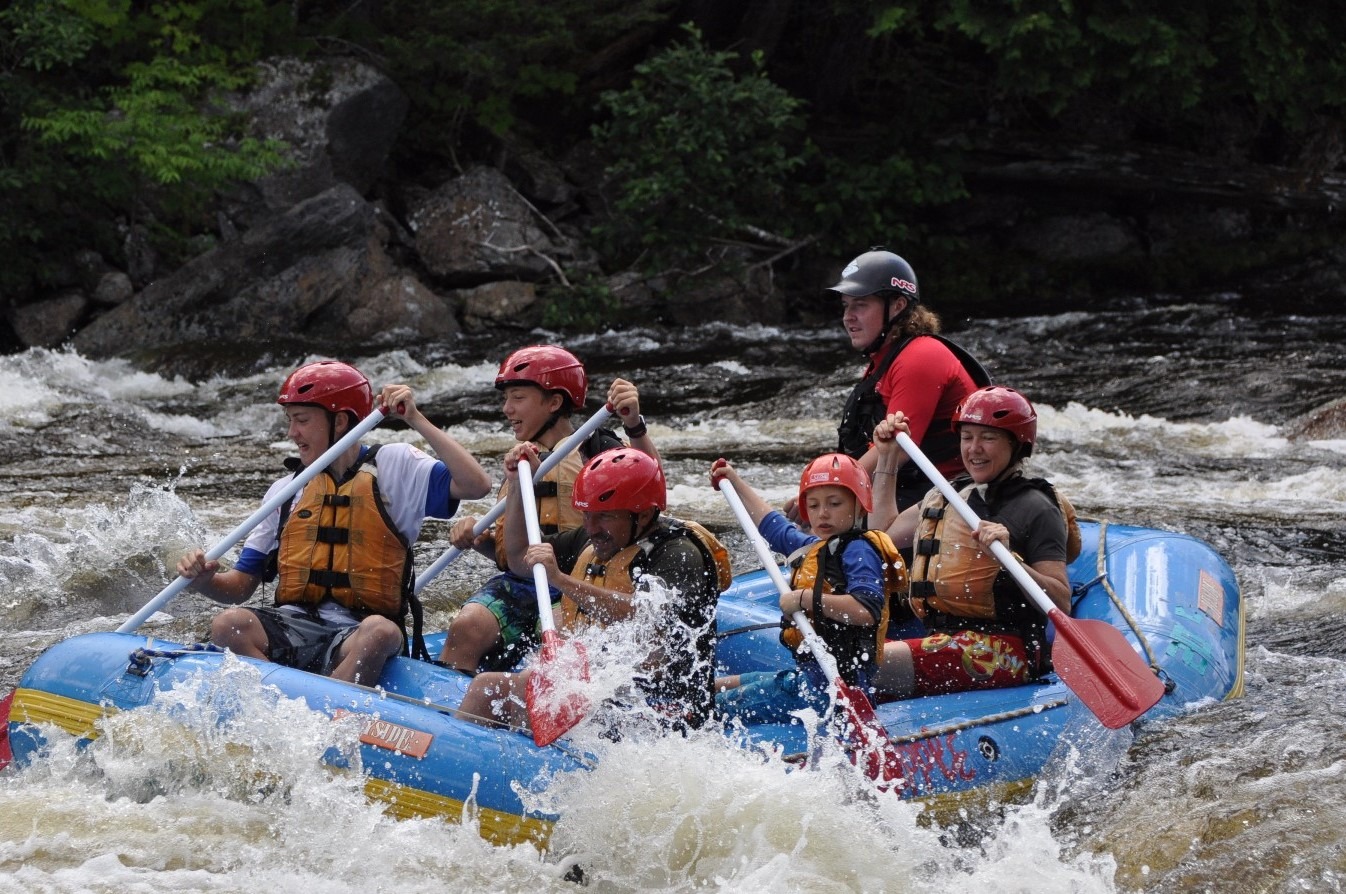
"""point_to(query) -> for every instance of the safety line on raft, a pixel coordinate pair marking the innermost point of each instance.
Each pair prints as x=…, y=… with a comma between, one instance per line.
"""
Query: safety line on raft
x=986, y=720
x=1116, y=600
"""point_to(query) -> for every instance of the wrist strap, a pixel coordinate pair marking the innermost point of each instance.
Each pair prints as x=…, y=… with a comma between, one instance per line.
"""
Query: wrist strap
x=639, y=430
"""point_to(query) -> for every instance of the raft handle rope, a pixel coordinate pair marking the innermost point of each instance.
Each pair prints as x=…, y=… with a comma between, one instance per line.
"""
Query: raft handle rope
x=724, y=634
x=142, y=660
x=962, y=726
x=1169, y=683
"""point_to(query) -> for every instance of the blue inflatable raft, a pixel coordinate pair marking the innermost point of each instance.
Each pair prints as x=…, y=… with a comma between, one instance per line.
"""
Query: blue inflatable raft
x=1173, y=597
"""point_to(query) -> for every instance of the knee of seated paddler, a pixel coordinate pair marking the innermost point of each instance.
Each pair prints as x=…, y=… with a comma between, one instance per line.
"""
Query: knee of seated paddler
x=378, y=634
x=472, y=633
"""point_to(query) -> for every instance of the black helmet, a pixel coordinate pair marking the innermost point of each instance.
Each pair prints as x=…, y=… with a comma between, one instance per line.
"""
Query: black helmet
x=878, y=271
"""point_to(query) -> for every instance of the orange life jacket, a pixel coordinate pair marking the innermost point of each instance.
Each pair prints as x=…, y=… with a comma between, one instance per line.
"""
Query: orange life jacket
x=819, y=567
x=555, y=512
x=954, y=579
x=618, y=572
x=337, y=540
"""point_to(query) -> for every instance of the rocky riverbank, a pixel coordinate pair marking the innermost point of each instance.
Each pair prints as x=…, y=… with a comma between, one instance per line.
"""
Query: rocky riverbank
x=335, y=250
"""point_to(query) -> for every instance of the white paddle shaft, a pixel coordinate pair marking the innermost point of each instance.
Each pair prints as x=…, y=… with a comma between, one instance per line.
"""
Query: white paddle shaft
x=998, y=549
x=219, y=549
x=811, y=638
x=534, y=537
x=562, y=450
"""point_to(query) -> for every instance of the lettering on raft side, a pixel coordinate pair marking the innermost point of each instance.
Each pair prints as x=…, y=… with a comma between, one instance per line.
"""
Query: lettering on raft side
x=392, y=736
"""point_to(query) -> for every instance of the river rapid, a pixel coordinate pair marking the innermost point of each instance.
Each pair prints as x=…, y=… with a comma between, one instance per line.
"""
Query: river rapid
x=1159, y=412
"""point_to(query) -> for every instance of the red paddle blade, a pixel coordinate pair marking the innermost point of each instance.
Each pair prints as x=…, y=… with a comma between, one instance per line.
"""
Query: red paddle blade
x=6, y=755
x=555, y=697
x=871, y=748
x=1099, y=665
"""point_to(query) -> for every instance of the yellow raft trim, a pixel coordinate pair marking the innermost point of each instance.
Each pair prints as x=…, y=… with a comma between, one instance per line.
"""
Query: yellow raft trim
x=76, y=717
x=80, y=719
x=497, y=827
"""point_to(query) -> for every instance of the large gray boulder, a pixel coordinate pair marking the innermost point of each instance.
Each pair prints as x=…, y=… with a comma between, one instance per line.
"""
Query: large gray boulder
x=318, y=272
x=477, y=228
x=340, y=119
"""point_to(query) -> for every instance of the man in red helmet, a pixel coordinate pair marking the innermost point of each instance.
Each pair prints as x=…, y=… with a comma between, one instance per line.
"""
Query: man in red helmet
x=340, y=551
x=982, y=632
x=597, y=570
x=542, y=386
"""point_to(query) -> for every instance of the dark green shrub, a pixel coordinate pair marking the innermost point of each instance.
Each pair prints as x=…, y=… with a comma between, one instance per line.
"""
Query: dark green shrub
x=106, y=118
x=699, y=155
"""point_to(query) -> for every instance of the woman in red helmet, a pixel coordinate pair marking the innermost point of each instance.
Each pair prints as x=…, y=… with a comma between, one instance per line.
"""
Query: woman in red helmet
x=982, y=632
x=912, y=368
x=842, y=578
x=596, y=572
x=542, y=386
x=340, y=551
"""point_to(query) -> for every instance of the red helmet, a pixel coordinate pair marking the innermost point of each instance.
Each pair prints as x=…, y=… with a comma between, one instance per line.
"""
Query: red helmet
x=332, y=385
x=838, y=469
x=549, y=368
x=620, y=478
x=1000, y=407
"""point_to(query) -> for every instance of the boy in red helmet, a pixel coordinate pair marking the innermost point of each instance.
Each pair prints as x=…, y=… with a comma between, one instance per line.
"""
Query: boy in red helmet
x=598, y=569
x=982, y=631
x=340, y=550
x=542, y=385
x=842, y=577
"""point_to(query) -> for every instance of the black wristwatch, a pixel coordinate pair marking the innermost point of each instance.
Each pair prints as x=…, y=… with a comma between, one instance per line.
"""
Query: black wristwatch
x=639, y=430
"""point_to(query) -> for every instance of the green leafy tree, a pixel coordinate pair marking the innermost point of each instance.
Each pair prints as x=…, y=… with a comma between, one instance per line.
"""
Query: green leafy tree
x=1175, y=72
x=108, y=116
x=700, y=155
x=485, y=68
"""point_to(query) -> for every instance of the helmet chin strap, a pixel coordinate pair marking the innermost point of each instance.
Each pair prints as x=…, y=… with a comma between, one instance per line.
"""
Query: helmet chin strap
x=546, y=426
x=1014, y=469
x=888, y=322
x=637, y=534
x=331, y=428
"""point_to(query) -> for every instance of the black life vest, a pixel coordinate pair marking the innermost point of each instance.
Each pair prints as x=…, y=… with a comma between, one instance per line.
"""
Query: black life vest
x=865, y=409
x=818, y=567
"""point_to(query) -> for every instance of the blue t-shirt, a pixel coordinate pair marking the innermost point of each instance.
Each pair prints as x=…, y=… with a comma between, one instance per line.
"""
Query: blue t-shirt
x=860, y=561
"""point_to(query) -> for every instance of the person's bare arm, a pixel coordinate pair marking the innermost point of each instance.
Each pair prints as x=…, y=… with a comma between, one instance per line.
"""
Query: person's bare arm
x=624, y=398
x=901, y=528
x=230, y=587
x=468, y=480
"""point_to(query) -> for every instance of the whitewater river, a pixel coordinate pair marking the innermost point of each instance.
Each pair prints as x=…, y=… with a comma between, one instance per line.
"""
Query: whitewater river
x=1160, y=413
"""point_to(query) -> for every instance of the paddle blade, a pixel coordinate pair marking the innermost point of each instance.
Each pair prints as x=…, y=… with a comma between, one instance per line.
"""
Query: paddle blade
x=6, y=755
x=1099, y=665
x=555, y=699
x=871, y=749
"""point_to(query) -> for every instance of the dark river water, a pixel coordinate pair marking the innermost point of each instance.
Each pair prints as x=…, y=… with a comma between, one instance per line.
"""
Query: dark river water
x=1182, y=415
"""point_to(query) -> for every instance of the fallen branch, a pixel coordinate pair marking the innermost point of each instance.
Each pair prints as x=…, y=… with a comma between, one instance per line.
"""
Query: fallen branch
x=551, y=262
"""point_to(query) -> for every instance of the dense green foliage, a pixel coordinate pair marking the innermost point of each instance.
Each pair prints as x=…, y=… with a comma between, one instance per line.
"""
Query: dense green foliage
x=699, y=155
x=490, y=65
x=108, y=123
x=756, y=131
x=1171, y=72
